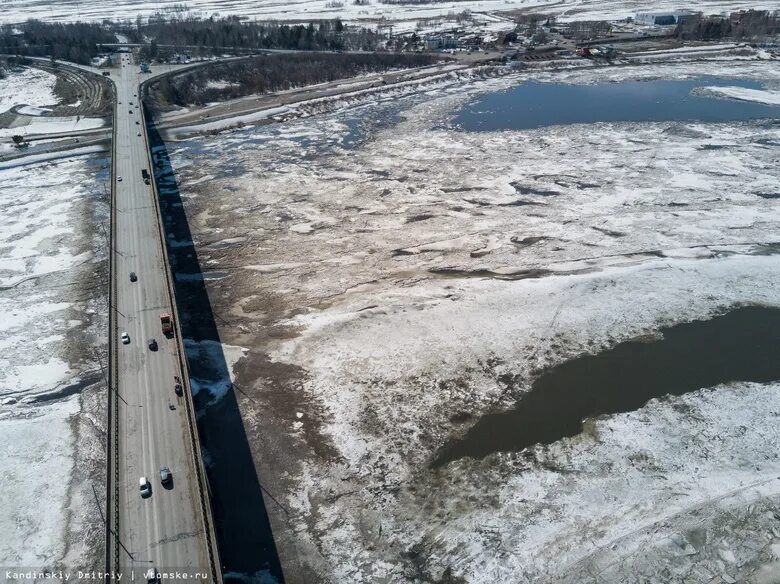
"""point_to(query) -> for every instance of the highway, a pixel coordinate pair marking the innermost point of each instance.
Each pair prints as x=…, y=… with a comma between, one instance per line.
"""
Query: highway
x=166, y=530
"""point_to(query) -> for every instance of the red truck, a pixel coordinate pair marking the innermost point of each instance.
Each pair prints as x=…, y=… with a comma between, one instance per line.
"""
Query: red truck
x=167, y=323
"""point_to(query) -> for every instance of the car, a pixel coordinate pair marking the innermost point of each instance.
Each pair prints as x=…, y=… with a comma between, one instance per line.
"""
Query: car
x=178, y=389
x=125, y=338
x=130, y=102
x=165, y=475
x=119, y=179
x=137, y=123
x=152, y=344
x=133, y=277
x=146, y=180
x=146, y=487
x=131, y=111
x=139, y=133
x=152, y=576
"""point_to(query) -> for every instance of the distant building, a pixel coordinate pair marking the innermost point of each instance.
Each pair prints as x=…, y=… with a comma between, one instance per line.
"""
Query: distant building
x=436, y=42
x=662, y=18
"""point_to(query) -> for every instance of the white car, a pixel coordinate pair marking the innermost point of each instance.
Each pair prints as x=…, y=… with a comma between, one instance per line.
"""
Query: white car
x=125, y=339
x=119, y=179
x=139, y=133
x=146, y=487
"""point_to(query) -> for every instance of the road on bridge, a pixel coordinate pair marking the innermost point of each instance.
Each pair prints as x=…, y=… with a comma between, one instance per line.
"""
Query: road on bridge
x=165, y=531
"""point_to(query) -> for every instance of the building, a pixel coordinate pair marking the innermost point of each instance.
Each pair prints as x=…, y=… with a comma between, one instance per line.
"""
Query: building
x=662, y=18
x=436, y=42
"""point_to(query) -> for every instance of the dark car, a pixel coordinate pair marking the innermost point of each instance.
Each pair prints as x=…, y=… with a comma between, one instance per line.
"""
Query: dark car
x=152, y=344
x=146, y=181
x=178, y=389
x=133, y=277
x=165, y=475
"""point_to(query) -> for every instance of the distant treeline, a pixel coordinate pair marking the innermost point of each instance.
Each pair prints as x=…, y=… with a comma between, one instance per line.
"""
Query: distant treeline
x=218, y=35
x=77, y=42
x=268, y=73
x=742, y=25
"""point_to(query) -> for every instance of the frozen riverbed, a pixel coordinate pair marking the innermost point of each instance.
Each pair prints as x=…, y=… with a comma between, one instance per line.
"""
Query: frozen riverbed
x=52, y=343
x=388, y=293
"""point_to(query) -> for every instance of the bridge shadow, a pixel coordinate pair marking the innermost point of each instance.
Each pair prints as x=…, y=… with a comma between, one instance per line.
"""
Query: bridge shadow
x=244, y=535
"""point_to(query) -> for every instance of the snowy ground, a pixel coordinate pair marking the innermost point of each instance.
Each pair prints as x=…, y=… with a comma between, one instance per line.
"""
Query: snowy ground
x=27, y=92
x=386, y=275
x=757, y=95
x=27, y=87
x=374, y=13
x=56, y=125
x=52, y=343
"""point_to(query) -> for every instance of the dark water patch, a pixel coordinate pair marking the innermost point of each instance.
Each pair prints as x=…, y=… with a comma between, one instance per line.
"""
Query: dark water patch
x=766, y=249
x=536, y=105
x=72, y=387
x=420, y=217
x=610, y=232
x=483, y=273
x=526, y=190
x=769, y=195
x=740, y=345
x=519, y=203
x=461, y=189
x=767, y=142
x=479, y=202
x=526, y=241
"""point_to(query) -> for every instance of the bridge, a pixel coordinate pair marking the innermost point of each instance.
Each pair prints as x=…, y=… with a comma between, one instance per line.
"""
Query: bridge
x=151, y=424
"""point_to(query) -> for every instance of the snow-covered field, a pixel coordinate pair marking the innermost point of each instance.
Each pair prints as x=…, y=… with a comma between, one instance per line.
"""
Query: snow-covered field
x=52, y=342
x=27, y=87
x=374, y=13
x=32, y=90
x=55, y=125
x=391, y=279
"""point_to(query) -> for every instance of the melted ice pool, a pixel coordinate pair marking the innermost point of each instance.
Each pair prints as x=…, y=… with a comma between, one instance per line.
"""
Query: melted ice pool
x=535, y=105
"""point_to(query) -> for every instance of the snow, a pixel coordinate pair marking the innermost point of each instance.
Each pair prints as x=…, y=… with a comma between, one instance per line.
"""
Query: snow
x=214, y=84
x=424, y=291
x=28, y=86
x=769, y=97
x=402, y=16
x=231, y=122
x=29, y=110
x=35, y=468
x=54, y=126
x=50, y=156
x=50, y=331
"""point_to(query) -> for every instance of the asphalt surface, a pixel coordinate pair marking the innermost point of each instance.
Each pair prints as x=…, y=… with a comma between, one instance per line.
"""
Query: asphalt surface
x=164, y=531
